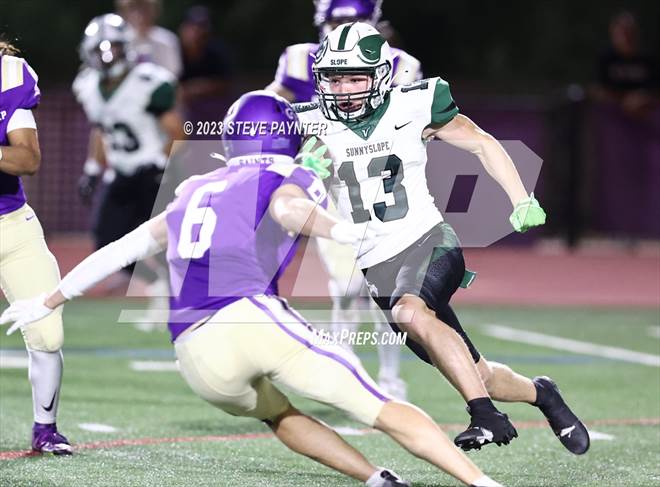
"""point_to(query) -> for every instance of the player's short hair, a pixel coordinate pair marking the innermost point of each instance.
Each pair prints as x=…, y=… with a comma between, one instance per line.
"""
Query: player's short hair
x=8, y=49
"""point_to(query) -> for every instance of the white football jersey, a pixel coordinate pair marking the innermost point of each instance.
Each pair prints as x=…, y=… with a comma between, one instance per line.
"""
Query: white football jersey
x=380, y=163
x=128, y=117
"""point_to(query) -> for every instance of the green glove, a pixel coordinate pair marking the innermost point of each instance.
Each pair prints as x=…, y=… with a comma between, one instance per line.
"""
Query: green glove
x=527, y=214
x=315, y=160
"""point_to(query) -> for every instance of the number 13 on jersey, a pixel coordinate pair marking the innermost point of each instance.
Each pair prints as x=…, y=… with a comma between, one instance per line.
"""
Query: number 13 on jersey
x=390, y=170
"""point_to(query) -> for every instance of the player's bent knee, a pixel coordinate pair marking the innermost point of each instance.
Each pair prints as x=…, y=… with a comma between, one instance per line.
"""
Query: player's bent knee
x=46, y=335
x=414, y=318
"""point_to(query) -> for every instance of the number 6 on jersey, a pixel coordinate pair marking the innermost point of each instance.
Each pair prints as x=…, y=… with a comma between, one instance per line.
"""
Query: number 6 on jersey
x=190, y=247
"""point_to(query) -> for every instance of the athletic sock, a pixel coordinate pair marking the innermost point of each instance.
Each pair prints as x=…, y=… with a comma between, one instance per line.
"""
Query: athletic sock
x=45, y=373
x=481, y=406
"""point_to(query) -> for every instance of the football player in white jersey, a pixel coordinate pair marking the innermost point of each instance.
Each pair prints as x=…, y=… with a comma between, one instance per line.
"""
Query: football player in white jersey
x=377, y=137
x=131, y=108
x=294, y=81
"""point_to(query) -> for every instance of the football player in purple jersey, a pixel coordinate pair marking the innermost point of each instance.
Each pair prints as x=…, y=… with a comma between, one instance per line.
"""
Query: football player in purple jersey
x=229, y=234
x=294, y=81
x=26, y=265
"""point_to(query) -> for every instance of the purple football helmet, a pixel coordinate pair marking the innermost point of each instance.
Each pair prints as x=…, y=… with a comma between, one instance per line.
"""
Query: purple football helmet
x=261, y=122
x=338, y=12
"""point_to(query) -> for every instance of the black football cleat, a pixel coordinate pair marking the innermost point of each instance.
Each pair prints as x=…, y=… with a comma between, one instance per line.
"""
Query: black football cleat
x=567, y=427
x=484, y=429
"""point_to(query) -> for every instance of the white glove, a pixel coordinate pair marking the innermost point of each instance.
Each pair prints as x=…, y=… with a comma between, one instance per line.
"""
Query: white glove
x=24, y=311
x=358, y=235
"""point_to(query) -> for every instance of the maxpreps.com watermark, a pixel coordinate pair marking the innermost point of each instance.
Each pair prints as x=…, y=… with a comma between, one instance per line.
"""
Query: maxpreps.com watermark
x=352, y=338
x=253, y=128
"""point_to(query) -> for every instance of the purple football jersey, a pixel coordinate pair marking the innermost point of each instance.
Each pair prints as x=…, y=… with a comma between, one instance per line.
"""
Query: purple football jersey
x=222, y=242
x=294, y=70
x=18, y=89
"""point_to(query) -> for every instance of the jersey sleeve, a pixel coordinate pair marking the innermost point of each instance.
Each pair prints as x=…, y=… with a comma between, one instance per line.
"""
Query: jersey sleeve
x=19, y=82
x=294, y=71
x=32, y=94
x=304, y=178
x=162, y=99
x=443, y=107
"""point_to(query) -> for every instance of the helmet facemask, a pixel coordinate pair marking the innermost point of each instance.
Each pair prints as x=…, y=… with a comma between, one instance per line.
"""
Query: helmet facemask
x=337, y=106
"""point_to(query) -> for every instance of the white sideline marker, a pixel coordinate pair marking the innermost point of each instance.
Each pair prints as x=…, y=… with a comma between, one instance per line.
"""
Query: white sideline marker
x=569, y=345
x=97, y=428
x=598, y=436
x=13, y=359
x=154, y=366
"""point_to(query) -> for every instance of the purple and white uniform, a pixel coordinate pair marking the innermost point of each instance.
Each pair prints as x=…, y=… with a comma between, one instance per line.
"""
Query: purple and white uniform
x=222, y=243
x=294, y=70
x=18, y=91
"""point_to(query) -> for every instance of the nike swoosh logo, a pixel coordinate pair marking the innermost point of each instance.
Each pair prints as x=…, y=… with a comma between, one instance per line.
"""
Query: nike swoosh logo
x=397, y=127
x=28, y=218
x=52, y=402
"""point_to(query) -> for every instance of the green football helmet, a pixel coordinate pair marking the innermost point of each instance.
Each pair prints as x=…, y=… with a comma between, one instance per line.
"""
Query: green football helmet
x=352, y=49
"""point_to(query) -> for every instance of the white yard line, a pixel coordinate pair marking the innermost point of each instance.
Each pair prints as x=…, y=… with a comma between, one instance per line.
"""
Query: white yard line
x=13, y=359
x=154, y=366
x=654, y=331
x=569, y=345
x=597, y=435
x=97, y=427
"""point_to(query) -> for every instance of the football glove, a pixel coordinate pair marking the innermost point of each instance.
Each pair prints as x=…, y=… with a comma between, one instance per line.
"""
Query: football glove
x=527, y=214
x=86, y=188
x=89, y=180
x=315, y=160
x=25, y=311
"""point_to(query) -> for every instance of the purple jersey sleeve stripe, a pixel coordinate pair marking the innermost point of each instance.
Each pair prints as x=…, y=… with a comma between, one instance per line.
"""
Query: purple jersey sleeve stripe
x=337, y=358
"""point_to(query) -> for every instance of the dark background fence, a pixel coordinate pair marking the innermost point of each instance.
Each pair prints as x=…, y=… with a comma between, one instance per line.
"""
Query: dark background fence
x=522, y=70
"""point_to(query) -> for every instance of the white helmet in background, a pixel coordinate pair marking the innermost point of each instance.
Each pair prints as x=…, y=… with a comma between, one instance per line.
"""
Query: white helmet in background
x=105, y=45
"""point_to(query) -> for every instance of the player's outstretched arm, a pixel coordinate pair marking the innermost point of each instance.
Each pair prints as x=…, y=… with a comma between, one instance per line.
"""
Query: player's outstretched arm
x=465, y=134
x=291, y=208
x=148, y=239
x=22, y=156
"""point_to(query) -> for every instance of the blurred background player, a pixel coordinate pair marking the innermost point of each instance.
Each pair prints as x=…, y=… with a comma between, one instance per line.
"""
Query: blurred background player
x=234, y=337
x=26, y=265
x=150, y=42
x=131, y=109
x=295, y=82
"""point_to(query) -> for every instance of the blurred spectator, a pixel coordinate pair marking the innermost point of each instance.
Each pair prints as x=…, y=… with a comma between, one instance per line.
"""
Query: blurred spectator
x=152, y=43
x=205, y=59
x=627, y=74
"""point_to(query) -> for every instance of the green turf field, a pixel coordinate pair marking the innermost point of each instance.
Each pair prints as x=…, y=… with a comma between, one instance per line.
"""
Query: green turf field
x=100, y=387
